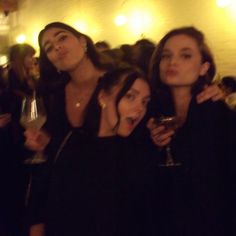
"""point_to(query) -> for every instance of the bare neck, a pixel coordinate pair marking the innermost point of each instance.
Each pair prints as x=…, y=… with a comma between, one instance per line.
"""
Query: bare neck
x=85, y=74
x=181, y=98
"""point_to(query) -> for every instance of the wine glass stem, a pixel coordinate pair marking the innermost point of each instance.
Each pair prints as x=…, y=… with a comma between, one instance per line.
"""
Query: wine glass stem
x=169, y=158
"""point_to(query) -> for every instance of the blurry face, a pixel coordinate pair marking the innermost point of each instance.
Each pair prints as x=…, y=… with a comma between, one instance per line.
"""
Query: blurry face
x=29, y=61
x=181, y=62
x=63, y=49
x=131, y=108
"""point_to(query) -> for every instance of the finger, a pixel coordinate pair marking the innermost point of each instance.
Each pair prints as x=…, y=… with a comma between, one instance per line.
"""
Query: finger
x=161, y=143
x=151, y=124
x=161, y=138
x=162, y=131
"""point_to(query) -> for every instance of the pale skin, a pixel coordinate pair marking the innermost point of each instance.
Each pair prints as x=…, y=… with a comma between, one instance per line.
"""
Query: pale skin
x=131, y=108
x=180, y=67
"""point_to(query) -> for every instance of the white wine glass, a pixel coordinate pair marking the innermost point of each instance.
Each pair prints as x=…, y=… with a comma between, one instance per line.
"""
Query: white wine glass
x=170, y=123
x=33, y=117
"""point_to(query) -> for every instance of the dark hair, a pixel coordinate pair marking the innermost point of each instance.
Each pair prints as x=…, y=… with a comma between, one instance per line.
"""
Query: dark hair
x=17, y=54
x=145, y=48
x=229, y=82
x=48, y=72
x=102, y=45
x=206, y=54
x=123, y=76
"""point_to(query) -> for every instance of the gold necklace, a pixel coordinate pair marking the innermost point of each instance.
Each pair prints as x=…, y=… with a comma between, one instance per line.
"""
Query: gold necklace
x=78, y=103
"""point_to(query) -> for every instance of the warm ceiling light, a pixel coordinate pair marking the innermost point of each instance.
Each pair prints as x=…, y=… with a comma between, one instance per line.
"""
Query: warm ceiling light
x=223, y=3
x=3, y=60
x=120, y=20
x=20, y=38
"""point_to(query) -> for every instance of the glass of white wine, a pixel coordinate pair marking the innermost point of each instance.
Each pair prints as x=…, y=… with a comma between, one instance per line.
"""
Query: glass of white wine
x=170, y=123
x=33, y=116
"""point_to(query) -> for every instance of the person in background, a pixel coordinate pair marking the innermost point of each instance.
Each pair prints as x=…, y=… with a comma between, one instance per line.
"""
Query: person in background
x=141, y=54
x=195, y=192
x=21, y=79
x=102, y=46
x=228, y=85
x=13, y=179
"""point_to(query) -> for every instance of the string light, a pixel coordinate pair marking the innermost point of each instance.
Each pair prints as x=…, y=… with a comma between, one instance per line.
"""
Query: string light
x=20, y=38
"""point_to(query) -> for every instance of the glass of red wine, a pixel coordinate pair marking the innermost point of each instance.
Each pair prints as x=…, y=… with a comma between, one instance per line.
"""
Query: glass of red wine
x=170, y=123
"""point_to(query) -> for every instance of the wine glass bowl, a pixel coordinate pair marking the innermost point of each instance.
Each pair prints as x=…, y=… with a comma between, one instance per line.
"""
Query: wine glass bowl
x=170, y=123
x=33, y=117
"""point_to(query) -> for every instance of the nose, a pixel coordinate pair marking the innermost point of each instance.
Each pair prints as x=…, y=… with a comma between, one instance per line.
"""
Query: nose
x=139, y=107
x=57, y=47
x=173, y=59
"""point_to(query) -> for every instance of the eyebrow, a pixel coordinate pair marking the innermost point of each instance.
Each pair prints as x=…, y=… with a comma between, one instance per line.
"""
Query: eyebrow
x=182, y=49
x=54, y=35
x=137, y=92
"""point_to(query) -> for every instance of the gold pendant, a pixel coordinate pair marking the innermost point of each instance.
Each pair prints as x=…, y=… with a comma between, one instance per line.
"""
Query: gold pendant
x=77, y=104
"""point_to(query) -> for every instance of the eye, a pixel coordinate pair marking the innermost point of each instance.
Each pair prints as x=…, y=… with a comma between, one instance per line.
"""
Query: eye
x=48, y=48
x=145, y=102
x=165, y=56
x=186, y=55
x=62, y=37
x=130, y=96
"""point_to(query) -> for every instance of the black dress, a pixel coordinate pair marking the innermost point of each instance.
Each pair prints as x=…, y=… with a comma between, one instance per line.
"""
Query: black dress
x=194, y=197
x=97, y=188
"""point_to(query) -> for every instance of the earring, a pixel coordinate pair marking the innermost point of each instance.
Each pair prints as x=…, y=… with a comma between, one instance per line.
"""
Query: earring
x=103, y=105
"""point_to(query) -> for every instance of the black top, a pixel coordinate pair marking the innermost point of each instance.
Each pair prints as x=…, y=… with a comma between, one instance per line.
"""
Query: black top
x=13, y=178
x=15, y=84
x=194, y=196
x=97, y=188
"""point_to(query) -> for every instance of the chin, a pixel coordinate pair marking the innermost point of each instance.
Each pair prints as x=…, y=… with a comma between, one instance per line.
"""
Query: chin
x=124, y=133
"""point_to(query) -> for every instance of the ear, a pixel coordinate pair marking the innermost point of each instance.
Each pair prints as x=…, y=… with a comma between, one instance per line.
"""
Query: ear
x=102, y=99
x=83, y=42
x=204, y=68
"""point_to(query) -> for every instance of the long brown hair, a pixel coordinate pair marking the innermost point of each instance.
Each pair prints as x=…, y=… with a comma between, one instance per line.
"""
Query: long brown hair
x=17, y=54
x=206, y=54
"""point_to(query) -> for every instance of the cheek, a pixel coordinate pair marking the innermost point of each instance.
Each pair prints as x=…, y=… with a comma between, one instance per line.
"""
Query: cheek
x=162, y=69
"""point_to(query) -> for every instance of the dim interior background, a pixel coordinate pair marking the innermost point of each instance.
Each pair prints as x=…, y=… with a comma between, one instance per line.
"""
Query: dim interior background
x=124, y=21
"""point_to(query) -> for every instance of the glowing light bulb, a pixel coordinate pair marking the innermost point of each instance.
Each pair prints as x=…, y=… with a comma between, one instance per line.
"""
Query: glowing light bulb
x=3, y=60
x=120, y=20
x=223, y=3
x=20, y=38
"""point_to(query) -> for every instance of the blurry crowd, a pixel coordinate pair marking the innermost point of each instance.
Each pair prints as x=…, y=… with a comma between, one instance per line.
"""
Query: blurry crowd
x=104, y=143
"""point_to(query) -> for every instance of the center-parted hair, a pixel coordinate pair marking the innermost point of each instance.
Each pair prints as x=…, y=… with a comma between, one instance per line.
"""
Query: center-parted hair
x=205, y=52
x=48, y=72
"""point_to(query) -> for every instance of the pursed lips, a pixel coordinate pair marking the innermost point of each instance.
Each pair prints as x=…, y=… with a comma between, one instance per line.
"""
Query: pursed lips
x=62, y=55
x=171, y=72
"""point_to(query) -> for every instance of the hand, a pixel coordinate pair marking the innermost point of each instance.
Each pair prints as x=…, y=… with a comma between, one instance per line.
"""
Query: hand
x=4, y=119
x=213, y=92
x=159, y=134
x=36, y=140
